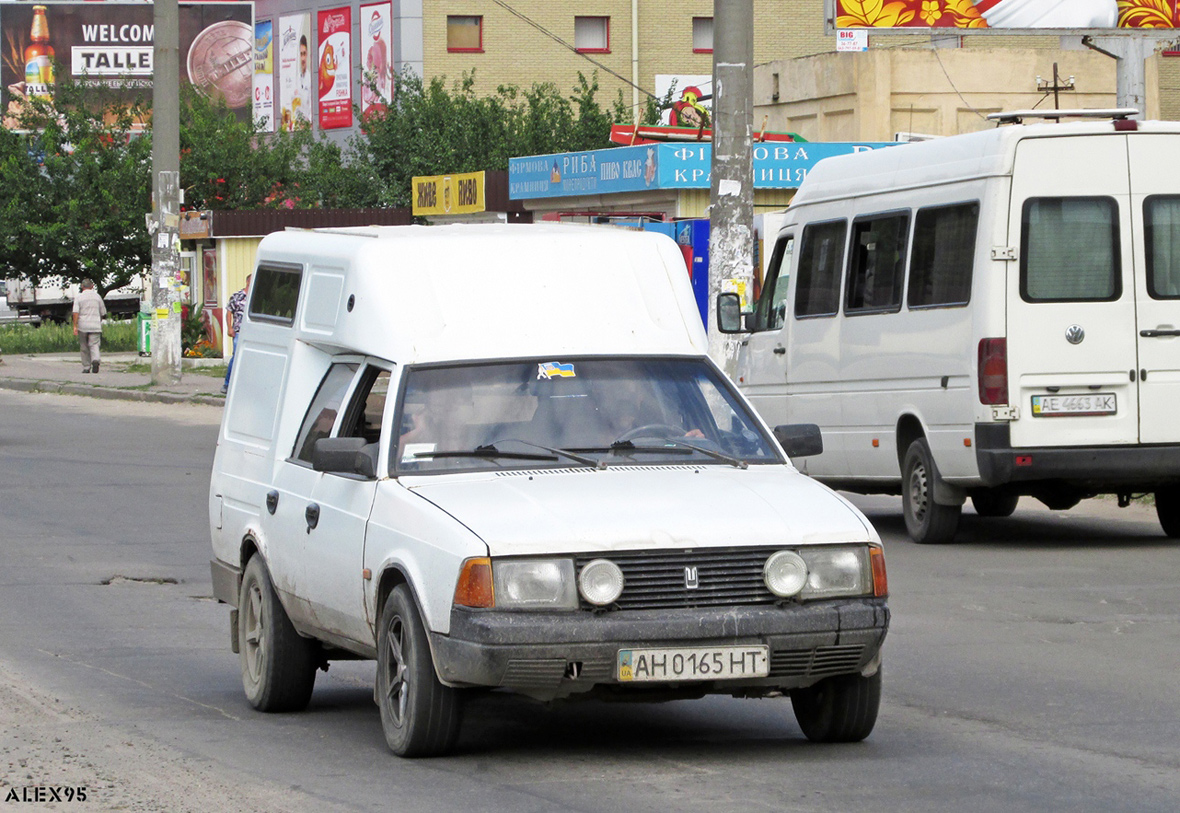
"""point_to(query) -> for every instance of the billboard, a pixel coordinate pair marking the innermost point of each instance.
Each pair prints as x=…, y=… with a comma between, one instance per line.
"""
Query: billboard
x=335, y=75
x=264, y=102
x=1010, y=16
x=376, y=44
x=294, y=74
x=111, y=43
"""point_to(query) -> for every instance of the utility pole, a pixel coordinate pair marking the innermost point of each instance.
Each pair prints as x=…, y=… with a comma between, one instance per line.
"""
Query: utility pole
x=1130, y=52
x=731, y=190
x=164, y=223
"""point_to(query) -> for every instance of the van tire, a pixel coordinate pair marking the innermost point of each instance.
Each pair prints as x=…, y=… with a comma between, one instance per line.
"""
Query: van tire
x=419, y=715
x=278, y=664
x=927, y=522
x=994, y=504
x=1167, y=508
x=838, y=709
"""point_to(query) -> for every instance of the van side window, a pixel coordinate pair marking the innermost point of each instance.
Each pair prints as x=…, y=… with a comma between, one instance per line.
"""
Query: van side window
x=274, y=294
x=821, y=258
x=1161, y=217
x=363, y=419
x=771, y=311
x=325, y=406
x=876, y=269
x=1069, y=250
x=943, y=255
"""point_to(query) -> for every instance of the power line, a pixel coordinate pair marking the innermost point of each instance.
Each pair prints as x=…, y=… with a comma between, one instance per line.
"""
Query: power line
x=565, y=44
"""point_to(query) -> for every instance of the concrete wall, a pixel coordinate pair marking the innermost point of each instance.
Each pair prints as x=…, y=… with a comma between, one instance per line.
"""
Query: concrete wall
x=872, y=95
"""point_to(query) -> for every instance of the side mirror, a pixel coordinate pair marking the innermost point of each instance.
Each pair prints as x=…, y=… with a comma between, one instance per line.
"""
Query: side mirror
x=345, y=456
x=800, y=439
x=729, y=313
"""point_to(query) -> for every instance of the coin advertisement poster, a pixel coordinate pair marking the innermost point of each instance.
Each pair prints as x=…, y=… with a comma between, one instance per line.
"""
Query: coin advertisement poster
x=111, y=44
x=335, y=67
x=294, y=71
x=264, y=100
x=376, y=30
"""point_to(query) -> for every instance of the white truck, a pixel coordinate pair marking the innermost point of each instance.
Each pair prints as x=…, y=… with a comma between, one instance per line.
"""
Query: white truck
x=984, y=316
x=498, y=457
x=53, y=300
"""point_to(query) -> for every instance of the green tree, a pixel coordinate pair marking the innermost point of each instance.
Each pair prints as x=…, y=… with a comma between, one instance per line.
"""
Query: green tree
x=430, y=130
x=75, y=181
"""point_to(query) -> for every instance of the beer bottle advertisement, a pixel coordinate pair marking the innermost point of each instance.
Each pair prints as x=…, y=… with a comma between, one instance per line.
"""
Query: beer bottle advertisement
x=39, y=58
x=111, y=44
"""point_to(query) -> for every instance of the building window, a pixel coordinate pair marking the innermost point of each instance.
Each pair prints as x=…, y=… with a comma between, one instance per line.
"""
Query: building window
x=702, y=35
x=592, y=34
x=464, y=33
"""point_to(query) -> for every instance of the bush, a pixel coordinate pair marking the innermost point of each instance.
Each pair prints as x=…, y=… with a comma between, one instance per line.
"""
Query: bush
x=49, y=337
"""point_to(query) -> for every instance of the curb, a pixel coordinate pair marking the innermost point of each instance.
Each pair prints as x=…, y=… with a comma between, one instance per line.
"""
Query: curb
x=109, y=393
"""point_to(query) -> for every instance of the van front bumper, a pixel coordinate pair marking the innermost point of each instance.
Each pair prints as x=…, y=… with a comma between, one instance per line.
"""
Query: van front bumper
x=1100, y=468
x=550, y=655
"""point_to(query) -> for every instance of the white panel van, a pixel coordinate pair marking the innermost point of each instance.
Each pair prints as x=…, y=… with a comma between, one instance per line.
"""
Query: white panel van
x=498, y=457
x=987, y=316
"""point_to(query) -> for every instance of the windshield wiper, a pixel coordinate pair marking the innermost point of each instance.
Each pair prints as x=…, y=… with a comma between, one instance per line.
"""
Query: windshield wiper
x=487, y=451
x=585, y=461
x=679, y=447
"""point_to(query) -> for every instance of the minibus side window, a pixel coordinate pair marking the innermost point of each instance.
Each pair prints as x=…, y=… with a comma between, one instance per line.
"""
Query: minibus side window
x=1069, y=250
x=876, y=268
x=943, y=256
x=821, y=258
x=771, y=311
x=1161, y=216
x=274, y=294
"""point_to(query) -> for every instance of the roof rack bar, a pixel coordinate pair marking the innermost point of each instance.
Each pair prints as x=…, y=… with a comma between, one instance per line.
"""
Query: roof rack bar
x=1018, y=116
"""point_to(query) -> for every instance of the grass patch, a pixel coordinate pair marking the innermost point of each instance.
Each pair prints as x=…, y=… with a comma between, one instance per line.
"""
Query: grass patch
x=50, y=337
x=214, y=371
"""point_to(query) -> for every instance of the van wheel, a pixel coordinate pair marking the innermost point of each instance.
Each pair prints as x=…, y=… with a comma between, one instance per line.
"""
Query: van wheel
x=419, y=715
x=927, y=522
x=1167, y=508
x=278, y=665
x=838, y=709
x=994, y=504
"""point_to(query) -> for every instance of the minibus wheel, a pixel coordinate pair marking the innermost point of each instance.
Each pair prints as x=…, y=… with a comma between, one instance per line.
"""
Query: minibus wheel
x=927, y=522
x=1167, y=508
x=993, y=503
x=278, y=664
x=419, y=715
x=838, y=709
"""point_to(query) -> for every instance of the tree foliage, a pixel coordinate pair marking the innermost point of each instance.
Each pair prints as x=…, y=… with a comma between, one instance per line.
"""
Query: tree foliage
x=430, y=130
x=76, y=186
x=77, y=176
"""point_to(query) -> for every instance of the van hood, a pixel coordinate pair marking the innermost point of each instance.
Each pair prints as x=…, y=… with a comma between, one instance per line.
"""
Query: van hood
x=584, y=510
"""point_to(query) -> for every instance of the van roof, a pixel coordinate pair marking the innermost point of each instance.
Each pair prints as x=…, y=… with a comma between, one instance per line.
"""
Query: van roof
x=415, y=294
x=965, y=157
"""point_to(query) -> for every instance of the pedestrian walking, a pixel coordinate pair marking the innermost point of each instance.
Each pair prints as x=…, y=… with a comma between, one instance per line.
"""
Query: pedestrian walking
x=89, y=309
x=236, y=307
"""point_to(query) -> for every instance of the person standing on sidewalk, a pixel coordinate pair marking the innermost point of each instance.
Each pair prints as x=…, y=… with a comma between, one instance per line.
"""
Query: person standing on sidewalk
x=89, y=309
x=236, y=307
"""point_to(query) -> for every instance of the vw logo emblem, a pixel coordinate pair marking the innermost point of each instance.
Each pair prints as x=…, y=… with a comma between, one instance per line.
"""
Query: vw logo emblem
x=691, y=579
x=1074, y=334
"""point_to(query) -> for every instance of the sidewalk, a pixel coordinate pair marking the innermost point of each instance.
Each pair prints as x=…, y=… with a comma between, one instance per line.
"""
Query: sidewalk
x=123, y=376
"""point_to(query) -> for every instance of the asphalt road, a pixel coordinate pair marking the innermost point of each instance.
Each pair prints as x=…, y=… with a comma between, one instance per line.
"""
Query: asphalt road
x=1031, y=667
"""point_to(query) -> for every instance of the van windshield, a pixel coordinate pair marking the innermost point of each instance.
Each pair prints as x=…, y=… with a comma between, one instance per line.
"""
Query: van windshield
x=561, y=412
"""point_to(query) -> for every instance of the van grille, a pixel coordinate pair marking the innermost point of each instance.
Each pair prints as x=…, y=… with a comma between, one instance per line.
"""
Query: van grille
x=725, y=577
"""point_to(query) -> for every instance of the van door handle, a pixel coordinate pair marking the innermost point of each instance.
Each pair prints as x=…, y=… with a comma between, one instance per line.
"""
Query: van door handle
x=1155, y=334
x=272, y=501
x=778, y=351
x=312, y=515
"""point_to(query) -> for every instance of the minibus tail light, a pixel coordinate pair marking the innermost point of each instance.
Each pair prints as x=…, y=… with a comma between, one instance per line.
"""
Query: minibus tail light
x=993, y=371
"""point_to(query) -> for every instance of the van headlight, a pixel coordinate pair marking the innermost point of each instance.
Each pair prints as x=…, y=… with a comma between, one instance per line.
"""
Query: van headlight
x=819, y=572
x=534, y=584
